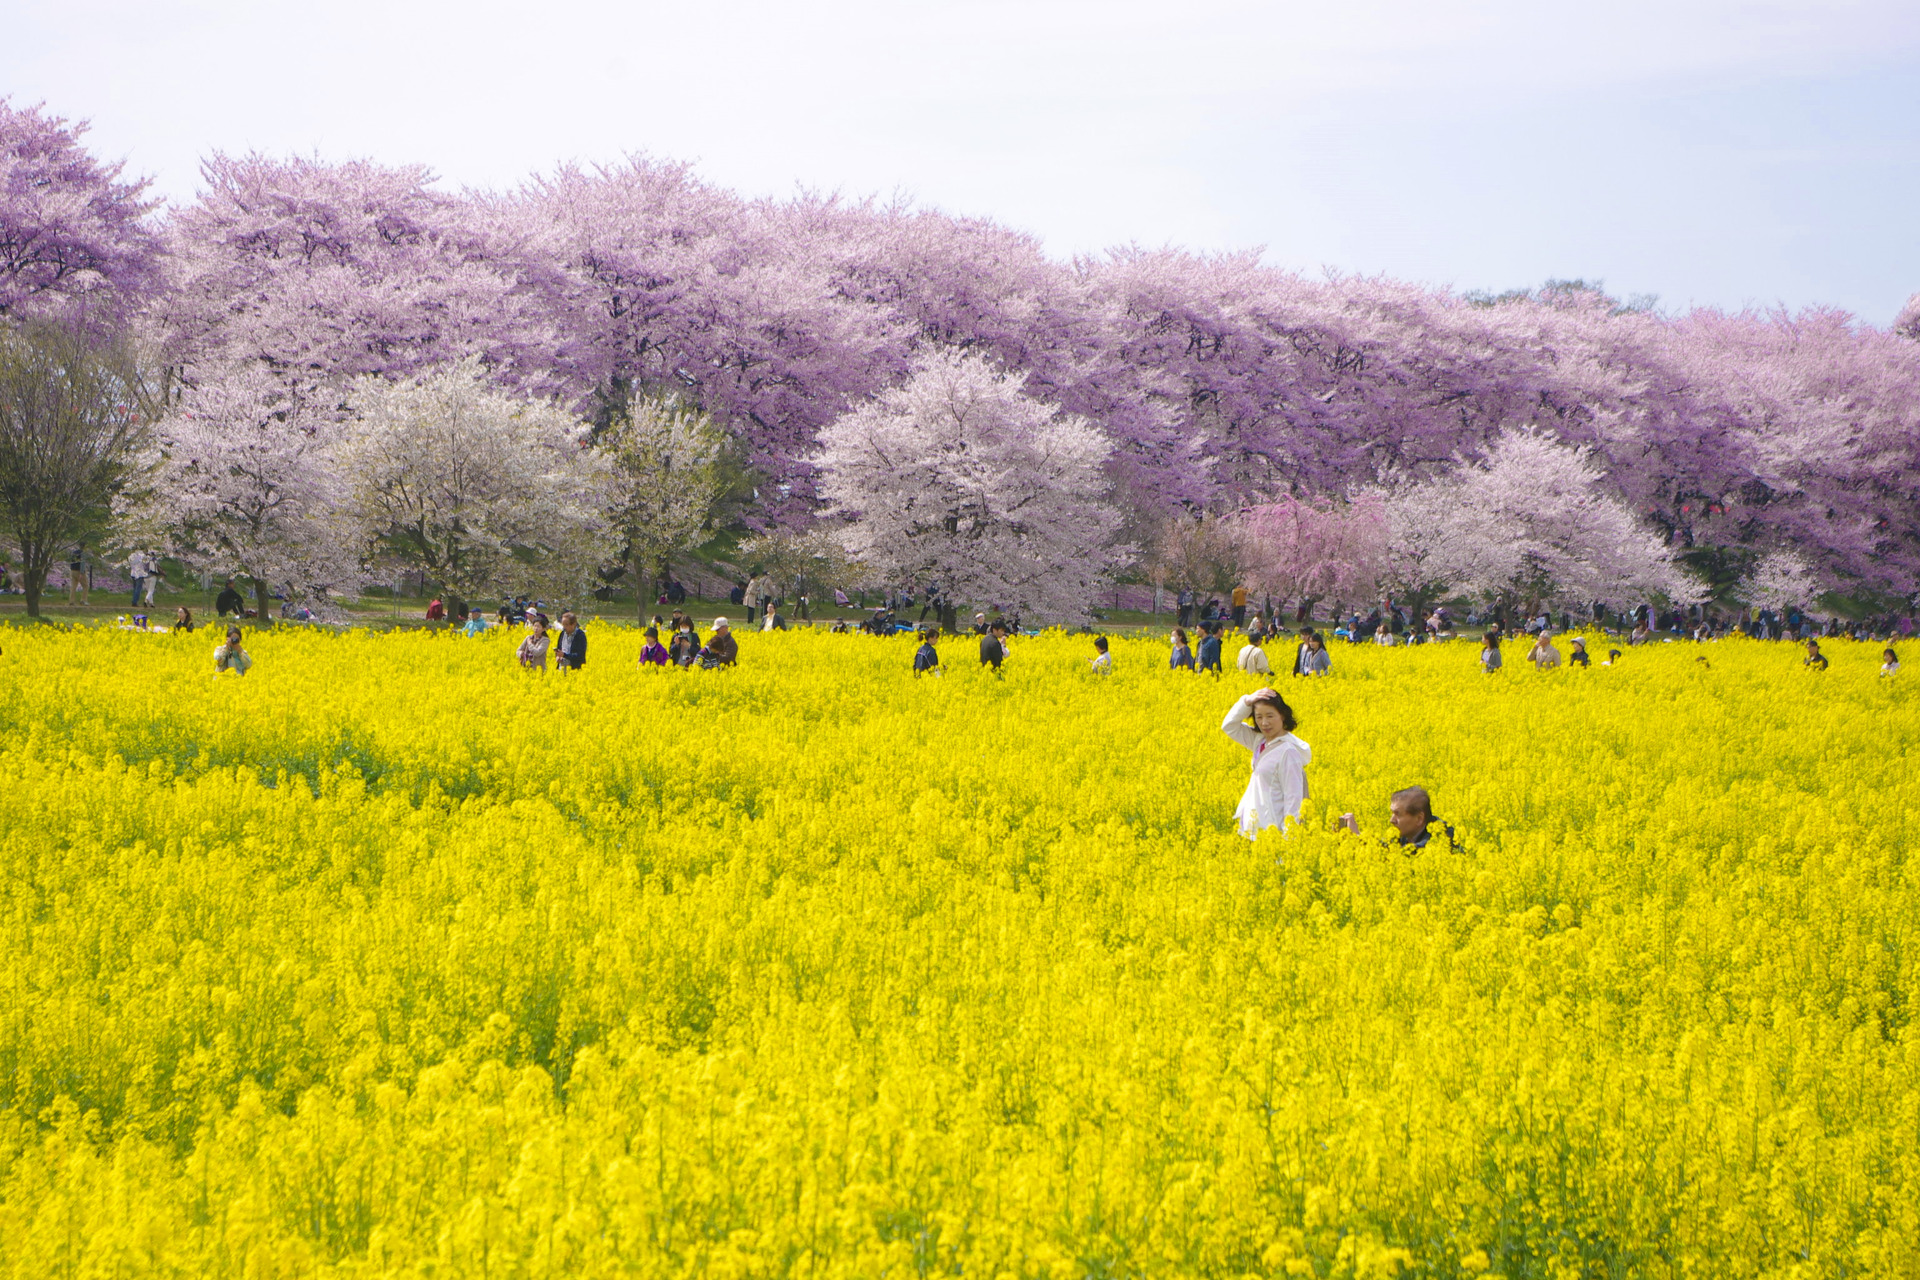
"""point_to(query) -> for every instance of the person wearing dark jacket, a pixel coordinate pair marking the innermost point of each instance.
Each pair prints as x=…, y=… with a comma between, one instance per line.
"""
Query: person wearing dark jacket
x=1210, y=648
x=992, y=651
x=926, y=659
x=1410, y=813
x=1300, y=651
x=229, y=601
x=572, y=650
x=722, y=649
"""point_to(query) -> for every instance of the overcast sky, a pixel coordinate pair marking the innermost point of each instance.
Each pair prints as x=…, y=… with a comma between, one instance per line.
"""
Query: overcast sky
x=1712, y=152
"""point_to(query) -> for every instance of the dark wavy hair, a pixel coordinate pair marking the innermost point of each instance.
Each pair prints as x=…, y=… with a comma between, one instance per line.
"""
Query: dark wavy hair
x=1268, y=697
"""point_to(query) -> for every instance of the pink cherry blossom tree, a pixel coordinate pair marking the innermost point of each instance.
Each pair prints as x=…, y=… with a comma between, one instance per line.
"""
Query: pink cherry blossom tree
x=320, y=273
x=1314, y=549
x=74, y=237
x=959, y=478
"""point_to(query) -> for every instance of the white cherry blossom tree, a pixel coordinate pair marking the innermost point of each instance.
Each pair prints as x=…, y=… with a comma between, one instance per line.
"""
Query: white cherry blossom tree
x=240, y=479
x=483, y=491
x=959, y=478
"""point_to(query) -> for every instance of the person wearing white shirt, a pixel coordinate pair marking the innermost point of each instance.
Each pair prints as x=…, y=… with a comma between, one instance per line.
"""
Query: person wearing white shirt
x=1279, y=783
x=1253, y=658
x=138, y=567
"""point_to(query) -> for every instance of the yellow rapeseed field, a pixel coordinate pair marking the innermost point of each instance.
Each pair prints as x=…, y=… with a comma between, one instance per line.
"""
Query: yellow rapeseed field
x=389, y=959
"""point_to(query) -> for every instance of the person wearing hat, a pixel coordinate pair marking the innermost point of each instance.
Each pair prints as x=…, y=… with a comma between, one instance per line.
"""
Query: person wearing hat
x=1577, y=653
x=722, y=649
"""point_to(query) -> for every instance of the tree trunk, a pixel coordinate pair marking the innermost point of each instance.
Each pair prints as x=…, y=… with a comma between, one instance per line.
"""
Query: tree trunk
x=35, y=583
x=261, y=604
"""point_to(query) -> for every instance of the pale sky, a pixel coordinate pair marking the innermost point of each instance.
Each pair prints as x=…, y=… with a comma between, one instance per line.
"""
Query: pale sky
x=1715, y=152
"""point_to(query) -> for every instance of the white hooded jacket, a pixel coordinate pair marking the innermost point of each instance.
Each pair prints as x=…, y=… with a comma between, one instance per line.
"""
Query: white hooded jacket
x=1279, y=781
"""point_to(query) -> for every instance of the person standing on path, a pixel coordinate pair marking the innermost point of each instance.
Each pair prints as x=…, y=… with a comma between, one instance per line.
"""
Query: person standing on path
x=1239, y=606
x=138, y=567
x=571, y=655
x=1279, y=783
x=79, y=579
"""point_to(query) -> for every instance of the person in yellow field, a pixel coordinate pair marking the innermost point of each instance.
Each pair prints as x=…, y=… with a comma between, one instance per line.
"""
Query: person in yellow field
x=232, y=656
x=1239, y=606
x=1545, y=656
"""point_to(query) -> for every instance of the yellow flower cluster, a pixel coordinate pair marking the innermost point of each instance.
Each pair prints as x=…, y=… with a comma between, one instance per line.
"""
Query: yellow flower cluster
x=391, y=959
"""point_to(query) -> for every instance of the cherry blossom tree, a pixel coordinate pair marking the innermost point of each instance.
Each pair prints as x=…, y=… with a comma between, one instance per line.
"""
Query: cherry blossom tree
x=1531, y=523
x=665, y=476
x=959, y=478
x=808, y=562
x=1907, y=323
x=241, y=479
x=320, y=273
x=1310, y=550
x=482, y=490
x=1780, y=579
x=74, y=237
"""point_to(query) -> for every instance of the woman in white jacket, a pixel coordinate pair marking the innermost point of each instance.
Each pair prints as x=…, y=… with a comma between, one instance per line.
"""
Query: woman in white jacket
x=1279, y=781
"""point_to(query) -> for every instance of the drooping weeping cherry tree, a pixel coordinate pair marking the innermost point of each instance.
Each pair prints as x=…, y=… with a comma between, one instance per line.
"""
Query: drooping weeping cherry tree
x=958, y=479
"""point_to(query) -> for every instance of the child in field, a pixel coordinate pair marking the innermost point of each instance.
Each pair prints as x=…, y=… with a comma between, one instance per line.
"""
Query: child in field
x=1890, y=664
x=926, y=659
x=1102, y=660
x=653, y=653
x=1410, y=813
x=1279, y=782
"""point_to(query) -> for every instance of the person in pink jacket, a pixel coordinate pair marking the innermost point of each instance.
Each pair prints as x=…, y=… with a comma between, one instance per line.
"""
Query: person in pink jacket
x=1279, y=781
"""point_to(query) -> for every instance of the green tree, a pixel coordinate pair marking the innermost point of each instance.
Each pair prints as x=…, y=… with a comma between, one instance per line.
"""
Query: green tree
x=73, y=409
